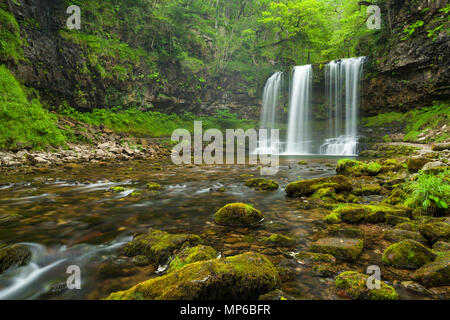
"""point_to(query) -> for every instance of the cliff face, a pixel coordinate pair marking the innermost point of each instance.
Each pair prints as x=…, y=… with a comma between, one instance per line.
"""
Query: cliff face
x=413, y=68
x=62, y=68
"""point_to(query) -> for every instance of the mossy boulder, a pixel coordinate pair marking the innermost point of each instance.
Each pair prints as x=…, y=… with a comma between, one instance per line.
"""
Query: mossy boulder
x=398, y=235
x=339, y=232
x=308, y=187
x=262, y=184
x=357, y=168
x=367, y=190
x=117, y=189
x=407, y=254
x=158, y=245
x=279, y=240
x=325, y=194
x=354, y=284
x=435, y=231
x=333, y=218
x=397, y=196
x=346, y=249
x=410, y=226
x=314, y=257
x=395, y=220
x=435, y=274
x=15, y=255
x=154, y=186
x=238, y=214
x=245, y=276
x=355, y=213
x=441, y=246
x=324, y=270
x=191, y=255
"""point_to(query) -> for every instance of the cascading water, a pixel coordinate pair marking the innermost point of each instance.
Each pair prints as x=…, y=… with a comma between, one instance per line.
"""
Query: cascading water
x=298, y=131
x=343, y=79
x=270, y=114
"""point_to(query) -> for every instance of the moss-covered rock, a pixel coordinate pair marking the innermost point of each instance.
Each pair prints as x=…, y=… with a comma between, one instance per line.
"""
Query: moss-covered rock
x=302, y=163
x=324, y=269
x=333, y=218
x=15, y=255
x=345, y=249
x=115, y=268
x=397, y=196
x=357, y=168
x=325, y=194
x=441, y=246
x=398, y=235
x=354, y=285
x=158, y=245
x=245, y=276
x=395, y=220
x=416, y=163
x=367, y=190
x=435, y=231
x=410, y=226
x=435, y=274
x=314, y=257
x=238, y=214
x=355, y=213
x=117, y=189
x=308, y=187
x=279, y=240
x=275, y=295
x=191, y=255
x=154, y=186
x=339, y=232
x=262, y=184
x=407, y=254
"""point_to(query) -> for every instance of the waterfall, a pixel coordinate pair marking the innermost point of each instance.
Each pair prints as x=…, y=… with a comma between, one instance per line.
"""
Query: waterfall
x=343, y=79
x=271, y=99
x=298, y=130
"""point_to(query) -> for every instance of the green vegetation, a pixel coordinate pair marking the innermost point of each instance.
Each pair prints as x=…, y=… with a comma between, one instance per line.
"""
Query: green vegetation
x=24, y=123
x=430, y=192
x=140, y=123
x=10, y=41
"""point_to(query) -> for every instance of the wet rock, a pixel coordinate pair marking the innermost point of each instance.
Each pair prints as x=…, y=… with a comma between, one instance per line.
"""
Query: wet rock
x=245, y=276
x=154, y=186
x=325, y=194
x=395, y=220
x=441, y=246
x=397, y=196
x=308, y=187
x=238, y=214
x=435, y=274
x=398, y=235
x=191, y=255
x=9, y=219
x=115, y=268
x=415, y=287
x=354, y=285
x=430, y=166
x=324, y=270
x=345, y=249
x=158, y=245
x=313, y=257
x=15, y=255
x=357, y=168
x=279, y=240
x=117, y=189
x=441, y=292
x=354, y=213
x=262, y=184
x=339, y=232
x=367, y=190
x=435, y=231
x=275, y=295
x=416, y=163
x=141, y=260
x=407, y=254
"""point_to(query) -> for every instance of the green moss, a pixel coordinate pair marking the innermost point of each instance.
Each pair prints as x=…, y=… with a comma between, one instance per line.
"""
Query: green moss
x=117, y=189
x=355, y=213
x=262, y=184
x=191, y=255
x=314, y=257
x=333, y=218
x=325, y=194
x=367, y=189
x=435, y=231
x=398, y=235
x=238, y=214
x=357, y=168
x=397, y=196
x=302, y=163
x=354, y=284
x=154, y=186
x=158, y=245
x=407, y=254
x=245, y=276
x=279, y=240
x=308, y=187
x=435, y=274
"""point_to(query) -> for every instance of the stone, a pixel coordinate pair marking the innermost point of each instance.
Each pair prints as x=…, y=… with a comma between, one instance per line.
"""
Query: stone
x=262, y=184
x=15, y=255
x=245, y=276
x=279, y=240
x=436, y=273
x=308, y=187
x=354, y=285
x=435, y=231
x=416, y=163
x=238, y=214
x=407, y=254
x=398, y=235
x=345, y=249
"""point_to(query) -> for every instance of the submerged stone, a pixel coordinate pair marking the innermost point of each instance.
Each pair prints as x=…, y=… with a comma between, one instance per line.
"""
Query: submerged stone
x=15, y=255
x=262, y=184
x=435, y=274
x=354, y=284
x=238, y=214
x=345, y=249
x=407, y=254
x=158, y=245
x=245, y=276
x=398, y=235
x=154, y=186
x=313, y=257
x=435, y=231
x=279, y=240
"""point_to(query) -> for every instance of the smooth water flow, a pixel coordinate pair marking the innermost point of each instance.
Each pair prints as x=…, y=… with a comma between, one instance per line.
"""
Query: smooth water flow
x=299, y=121
x=270, y=116
x=343, y=78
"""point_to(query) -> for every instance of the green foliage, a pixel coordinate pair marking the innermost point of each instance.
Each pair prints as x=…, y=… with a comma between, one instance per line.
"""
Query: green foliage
x=429, y=191
x=24, y=122
x=10, y=41
x=409, y=30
